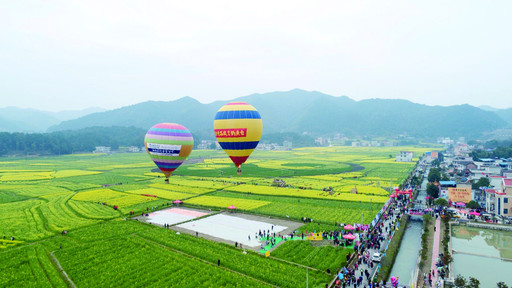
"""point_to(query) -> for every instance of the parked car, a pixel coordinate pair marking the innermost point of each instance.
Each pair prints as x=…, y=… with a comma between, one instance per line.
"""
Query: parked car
x=376, y=257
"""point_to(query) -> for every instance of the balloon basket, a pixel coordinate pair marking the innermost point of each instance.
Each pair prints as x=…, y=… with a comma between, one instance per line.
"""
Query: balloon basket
x=239, y=172
x=166, y=180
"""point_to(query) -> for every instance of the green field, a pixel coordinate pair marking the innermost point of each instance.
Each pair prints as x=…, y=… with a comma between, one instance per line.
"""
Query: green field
x=41, y=197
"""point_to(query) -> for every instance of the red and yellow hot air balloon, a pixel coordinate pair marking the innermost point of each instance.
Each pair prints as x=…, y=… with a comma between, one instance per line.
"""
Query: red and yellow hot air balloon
x=238, y=129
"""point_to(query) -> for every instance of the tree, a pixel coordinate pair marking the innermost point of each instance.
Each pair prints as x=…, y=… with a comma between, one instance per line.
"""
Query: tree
x=473, y=205
x=432, y=191
x=415, y=181
x=482, y=182
x=473, y=283
x=460, y=281
x=501, y=285
x=447, y=259
x=441, y=202
x=434, y=175
x=445, y=178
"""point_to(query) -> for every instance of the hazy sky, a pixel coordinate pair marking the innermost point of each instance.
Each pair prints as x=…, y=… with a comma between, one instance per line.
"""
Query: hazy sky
x=57, y=55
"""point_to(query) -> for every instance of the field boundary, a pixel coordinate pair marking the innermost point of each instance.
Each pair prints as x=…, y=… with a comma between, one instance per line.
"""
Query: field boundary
x=296, y=264
x=203, y=260
x=63, y=273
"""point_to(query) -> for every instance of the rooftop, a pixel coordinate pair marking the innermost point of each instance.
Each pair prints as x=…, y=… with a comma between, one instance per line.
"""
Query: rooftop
x=447, y=183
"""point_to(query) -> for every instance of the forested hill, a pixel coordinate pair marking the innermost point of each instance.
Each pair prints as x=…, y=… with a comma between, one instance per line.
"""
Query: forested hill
x=313, y=113
x=67, y=142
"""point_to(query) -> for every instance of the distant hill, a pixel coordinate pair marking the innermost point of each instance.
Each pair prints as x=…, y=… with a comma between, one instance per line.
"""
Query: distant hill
x=488, y=108
x=308, y=112
x=14, y=119
x=505, y=114
x=73, y=114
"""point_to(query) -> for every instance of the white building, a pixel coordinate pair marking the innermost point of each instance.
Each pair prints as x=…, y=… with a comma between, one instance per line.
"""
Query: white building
x=204, y=145
x=503, y=203
x=404, y=156
x=134, y=149
x=102, y=149
x=490, y=200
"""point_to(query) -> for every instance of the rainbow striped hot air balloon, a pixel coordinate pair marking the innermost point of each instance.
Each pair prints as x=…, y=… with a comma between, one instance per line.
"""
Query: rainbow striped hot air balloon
x=238, y=128
x=168, y=145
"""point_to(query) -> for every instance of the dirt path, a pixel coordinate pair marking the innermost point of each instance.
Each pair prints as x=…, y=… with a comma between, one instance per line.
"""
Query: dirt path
x=61, y=271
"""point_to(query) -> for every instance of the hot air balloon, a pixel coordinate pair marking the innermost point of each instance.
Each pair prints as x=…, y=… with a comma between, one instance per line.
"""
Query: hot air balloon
x=168, y=145
x=238, y=128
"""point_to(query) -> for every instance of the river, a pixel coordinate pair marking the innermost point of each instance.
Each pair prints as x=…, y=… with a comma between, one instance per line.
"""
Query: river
x=407, y=257
x=405, y=262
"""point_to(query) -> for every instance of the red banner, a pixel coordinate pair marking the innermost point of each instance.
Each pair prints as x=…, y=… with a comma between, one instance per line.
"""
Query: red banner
x=230, y=133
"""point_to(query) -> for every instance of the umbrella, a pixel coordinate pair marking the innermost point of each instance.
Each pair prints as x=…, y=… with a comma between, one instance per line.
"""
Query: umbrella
x=349, y=237
x=177, y=202
x=232, y=207
x=463, y=211
x=460, y=204
x=348, y=227
x=429, y=209
x=474, y=213
x=392, y=196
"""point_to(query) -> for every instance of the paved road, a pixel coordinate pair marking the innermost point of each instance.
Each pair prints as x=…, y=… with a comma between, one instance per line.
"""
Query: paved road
x=435, y=249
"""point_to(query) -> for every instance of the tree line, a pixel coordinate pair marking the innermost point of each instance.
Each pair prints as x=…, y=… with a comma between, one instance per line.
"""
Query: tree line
x=494, y=149
x=86, y=139
x=70, y=141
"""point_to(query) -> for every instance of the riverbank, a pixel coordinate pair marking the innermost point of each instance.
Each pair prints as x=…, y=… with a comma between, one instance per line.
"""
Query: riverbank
x=489, y=226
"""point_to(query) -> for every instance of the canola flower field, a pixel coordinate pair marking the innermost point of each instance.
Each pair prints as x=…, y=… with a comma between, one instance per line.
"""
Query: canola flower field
x=91, y=197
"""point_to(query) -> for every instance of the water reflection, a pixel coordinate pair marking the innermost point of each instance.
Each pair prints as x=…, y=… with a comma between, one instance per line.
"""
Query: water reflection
x=498, y=243
x=486, y=244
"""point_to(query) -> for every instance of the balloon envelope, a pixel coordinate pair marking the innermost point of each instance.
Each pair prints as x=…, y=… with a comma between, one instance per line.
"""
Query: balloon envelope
x=238, y=129
x=168, y=145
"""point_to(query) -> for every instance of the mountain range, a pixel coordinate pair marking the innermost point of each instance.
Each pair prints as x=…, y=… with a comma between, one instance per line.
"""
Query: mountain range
x=14, y=119
x=308, y=112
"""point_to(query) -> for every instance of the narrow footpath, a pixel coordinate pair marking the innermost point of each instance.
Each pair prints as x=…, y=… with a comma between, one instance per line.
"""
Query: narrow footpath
x=435, y=250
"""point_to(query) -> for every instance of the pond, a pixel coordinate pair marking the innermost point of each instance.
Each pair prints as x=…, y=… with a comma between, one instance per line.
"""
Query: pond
x=480, y=253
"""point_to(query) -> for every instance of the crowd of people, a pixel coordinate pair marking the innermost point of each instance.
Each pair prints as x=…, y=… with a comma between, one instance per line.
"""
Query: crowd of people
x=358, y=272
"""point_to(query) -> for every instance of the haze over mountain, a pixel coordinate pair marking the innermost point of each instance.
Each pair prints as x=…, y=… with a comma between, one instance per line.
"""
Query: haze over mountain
x=505, y=114
x=309, y=112
x=14, y=119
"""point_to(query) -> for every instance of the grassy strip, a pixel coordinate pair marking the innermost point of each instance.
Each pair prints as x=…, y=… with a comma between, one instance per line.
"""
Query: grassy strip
x=389, y=260
x=427, y=243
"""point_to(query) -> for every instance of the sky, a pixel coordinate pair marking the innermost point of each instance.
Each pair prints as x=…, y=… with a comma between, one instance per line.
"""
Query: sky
x=68, y=55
